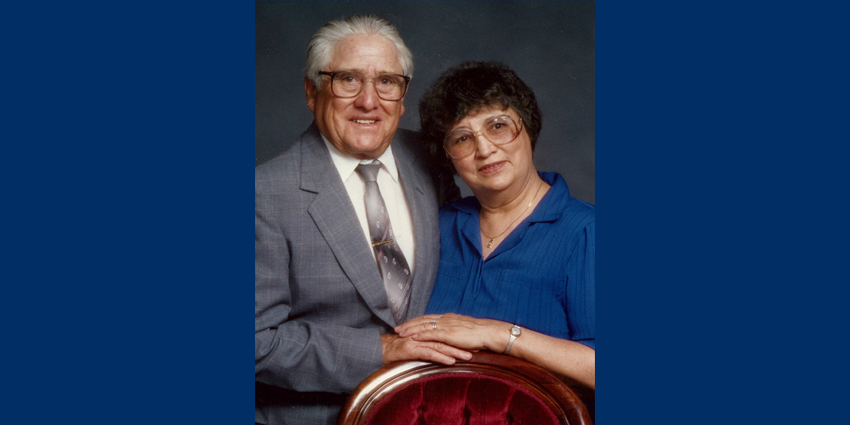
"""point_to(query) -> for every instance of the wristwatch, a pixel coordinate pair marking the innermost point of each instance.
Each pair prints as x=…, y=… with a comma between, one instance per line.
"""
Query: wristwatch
x=515, y=332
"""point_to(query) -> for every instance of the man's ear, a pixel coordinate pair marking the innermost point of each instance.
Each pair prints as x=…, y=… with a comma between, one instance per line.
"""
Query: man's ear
x=310, y=91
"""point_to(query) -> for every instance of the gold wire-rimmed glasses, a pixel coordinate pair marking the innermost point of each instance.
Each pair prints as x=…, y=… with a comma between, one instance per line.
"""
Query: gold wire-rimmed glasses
x=499, y=130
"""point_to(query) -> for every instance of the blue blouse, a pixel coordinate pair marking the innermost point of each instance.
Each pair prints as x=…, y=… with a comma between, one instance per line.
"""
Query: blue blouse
x=541, y=277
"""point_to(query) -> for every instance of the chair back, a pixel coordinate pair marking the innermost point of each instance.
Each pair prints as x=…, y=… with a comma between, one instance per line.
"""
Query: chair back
x=489, y=389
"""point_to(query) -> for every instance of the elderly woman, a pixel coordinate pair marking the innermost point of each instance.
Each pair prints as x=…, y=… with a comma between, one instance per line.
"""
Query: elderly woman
x=516, y=269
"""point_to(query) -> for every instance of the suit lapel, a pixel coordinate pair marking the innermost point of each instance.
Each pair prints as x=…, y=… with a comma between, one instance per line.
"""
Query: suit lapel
x=423, y=219
x=334, y=216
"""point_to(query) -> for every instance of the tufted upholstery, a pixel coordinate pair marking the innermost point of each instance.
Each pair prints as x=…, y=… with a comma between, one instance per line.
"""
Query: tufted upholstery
x=489, y=389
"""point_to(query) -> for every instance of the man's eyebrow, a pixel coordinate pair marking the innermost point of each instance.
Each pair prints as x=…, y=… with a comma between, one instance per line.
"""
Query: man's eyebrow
x=363, y=73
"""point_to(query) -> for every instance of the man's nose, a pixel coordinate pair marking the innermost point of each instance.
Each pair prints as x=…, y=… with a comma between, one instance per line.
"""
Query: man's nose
x=368, y=96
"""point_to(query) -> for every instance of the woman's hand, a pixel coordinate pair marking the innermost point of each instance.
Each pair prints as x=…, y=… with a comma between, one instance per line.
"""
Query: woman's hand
x=459, y=331
x=561, y=356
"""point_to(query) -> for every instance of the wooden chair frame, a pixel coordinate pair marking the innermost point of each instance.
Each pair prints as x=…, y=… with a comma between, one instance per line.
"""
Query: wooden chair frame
x=557, y=395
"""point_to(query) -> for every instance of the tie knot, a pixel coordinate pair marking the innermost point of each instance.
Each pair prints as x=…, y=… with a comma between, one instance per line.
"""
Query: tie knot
x=369, y=172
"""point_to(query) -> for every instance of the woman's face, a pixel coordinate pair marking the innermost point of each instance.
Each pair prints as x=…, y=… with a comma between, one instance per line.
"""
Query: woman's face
x=493, y=168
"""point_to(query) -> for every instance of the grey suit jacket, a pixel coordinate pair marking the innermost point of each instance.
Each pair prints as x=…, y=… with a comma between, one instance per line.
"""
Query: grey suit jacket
x=320, y=303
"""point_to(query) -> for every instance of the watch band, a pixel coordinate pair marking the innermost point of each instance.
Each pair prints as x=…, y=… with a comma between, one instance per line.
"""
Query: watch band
x=515, y=332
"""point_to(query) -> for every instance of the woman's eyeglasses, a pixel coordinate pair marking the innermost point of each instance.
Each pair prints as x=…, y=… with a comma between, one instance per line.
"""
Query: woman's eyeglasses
x=499, y=130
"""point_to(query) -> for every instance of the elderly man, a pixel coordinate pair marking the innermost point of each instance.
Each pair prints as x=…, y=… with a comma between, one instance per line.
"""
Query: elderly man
x=346, y=234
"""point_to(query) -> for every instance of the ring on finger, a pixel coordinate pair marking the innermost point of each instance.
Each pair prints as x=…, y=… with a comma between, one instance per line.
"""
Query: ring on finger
x=433, y=324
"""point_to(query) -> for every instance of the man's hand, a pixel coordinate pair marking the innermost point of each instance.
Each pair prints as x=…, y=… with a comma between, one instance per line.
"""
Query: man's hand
x=396, y=348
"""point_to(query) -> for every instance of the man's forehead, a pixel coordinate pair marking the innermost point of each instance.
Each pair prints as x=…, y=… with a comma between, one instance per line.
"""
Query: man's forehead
x=365, y=54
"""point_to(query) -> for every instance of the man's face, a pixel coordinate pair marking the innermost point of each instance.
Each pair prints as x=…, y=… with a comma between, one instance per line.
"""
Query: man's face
x=362, y=126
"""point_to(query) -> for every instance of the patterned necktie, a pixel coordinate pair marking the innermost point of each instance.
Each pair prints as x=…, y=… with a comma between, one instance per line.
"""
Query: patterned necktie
x=391, y=262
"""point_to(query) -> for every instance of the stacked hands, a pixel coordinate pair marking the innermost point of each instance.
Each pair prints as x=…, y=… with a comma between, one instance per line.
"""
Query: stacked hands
x=444, y=338
x=448, y=338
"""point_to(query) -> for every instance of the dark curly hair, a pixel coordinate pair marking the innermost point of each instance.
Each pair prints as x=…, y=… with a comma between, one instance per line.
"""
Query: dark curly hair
x=464, y=89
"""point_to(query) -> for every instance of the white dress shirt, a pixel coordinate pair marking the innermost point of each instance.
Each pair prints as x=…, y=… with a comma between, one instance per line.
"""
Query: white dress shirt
x=392, y=190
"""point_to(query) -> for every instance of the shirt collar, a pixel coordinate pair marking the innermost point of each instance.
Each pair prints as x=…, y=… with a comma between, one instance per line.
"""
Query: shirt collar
x=346, y=164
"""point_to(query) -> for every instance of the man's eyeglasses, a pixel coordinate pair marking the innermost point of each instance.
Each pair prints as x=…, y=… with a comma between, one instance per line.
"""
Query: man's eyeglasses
x=499, y=130
x=349, y=84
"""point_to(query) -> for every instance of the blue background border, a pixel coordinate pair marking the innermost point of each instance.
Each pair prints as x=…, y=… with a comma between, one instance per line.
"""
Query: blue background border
x=720, y=197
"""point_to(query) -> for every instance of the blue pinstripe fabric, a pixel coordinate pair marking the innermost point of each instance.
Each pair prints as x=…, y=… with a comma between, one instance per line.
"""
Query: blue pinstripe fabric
x=541, y=277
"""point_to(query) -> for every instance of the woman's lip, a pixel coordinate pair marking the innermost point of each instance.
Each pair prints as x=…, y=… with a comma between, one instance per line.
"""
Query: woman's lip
x=491, y=167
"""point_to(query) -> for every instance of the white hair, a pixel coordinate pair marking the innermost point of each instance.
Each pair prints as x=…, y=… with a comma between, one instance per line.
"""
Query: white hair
x=321, y=46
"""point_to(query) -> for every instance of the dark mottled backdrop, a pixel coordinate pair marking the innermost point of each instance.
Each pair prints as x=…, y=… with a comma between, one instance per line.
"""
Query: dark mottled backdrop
x=550, y=44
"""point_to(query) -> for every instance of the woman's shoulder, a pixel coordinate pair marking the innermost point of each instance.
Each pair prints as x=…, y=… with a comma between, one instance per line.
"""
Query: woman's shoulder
x=566, y=208
x=581, y=211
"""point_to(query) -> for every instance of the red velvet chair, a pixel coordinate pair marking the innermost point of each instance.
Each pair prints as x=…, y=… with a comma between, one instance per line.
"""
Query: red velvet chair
x=489, y=389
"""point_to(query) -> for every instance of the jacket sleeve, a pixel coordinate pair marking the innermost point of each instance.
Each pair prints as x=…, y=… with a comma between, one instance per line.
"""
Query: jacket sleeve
x=291, y=352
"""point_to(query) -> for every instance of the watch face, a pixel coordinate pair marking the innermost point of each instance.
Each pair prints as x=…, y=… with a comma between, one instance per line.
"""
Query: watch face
x=515, y=331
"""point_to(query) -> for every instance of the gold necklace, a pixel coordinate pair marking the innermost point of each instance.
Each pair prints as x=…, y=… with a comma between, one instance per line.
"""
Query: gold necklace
x=493, y=238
